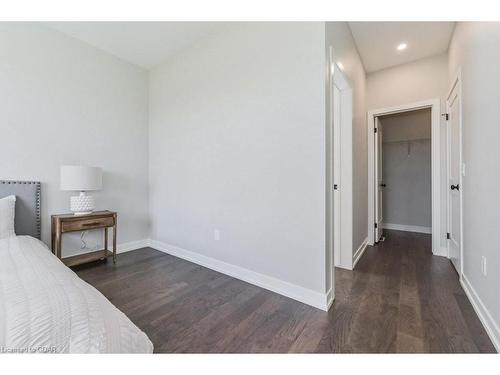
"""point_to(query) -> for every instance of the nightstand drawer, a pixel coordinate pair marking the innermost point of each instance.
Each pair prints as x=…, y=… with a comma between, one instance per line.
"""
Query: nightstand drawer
x=71, y=226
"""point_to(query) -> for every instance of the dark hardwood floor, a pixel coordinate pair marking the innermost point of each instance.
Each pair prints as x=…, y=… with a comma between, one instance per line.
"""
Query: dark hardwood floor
x=399, y=298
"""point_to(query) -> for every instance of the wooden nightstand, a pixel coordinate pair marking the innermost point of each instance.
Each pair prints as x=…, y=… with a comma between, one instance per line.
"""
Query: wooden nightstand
x=76, y=223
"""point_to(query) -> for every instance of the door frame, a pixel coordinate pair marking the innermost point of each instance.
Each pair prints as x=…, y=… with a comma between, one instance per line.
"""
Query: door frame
x=457, y=82
x=342, y=176
x=435, y=106
x=377, y=169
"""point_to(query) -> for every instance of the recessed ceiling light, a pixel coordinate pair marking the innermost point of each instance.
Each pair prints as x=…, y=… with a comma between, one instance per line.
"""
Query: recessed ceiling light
x=402, y=46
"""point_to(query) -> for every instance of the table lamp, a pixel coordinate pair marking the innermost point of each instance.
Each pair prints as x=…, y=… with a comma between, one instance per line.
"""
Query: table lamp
x=82, y=179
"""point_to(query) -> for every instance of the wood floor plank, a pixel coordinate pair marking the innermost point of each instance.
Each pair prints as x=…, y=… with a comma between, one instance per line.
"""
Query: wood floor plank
x=400, y=298
x=410, y=326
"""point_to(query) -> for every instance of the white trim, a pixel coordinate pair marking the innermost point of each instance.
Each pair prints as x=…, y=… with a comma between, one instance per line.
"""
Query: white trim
x=133, y=245
x=296, y=292
x=329, y=213
x=435, y=105
x=339, y=171
x=359, y=253
x=457, y=81
x=482, y=312
x=443, y=252
x=407, y=228
x=330, y=297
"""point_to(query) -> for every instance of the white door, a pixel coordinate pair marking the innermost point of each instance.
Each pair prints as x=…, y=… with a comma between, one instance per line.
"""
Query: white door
x=379, y=217
x=454, y=174
x=336, y=174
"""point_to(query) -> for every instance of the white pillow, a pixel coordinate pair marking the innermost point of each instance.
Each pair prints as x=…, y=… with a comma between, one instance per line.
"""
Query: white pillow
x=7, y=214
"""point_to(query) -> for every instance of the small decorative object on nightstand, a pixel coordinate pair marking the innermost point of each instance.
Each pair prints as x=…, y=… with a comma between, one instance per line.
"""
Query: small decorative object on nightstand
x=81, y=178
x=73, y=223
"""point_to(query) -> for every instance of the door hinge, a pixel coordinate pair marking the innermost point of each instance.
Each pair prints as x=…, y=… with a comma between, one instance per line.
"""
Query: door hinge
x=446, y=116
x=335, y=187
x=376, y=225
x=374, y=130
x=447, y=236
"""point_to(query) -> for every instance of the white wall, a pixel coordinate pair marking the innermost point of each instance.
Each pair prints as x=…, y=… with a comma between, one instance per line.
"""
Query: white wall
x=475, y=49
x=408, y=83
x=406, y=154
x=237, y=143
x=64, y=102
x=338, y=35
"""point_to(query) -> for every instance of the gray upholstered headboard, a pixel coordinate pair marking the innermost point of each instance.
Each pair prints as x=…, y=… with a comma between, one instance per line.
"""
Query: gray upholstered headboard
x=27, y=221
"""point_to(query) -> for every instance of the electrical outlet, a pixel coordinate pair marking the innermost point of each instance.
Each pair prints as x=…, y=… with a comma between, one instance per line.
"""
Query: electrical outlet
x=484, y=269
x=216, y=235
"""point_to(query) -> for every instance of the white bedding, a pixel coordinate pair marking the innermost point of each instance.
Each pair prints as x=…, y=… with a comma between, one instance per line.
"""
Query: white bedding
x=46, y=307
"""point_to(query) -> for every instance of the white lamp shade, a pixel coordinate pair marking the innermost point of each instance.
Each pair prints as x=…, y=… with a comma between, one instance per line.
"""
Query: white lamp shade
x=80, y=178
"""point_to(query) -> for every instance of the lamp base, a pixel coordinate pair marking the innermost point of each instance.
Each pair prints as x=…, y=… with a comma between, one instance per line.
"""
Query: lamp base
x=81, y=213
x=82, y=204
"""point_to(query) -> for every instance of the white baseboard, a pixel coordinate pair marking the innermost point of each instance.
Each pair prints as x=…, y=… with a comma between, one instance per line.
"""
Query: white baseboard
x=440, y=251
x=344, y=267
x=330, y=297
x=296, y=292
x=133, y=245
x=482, y=312
x=407, y=228
x=359, y=253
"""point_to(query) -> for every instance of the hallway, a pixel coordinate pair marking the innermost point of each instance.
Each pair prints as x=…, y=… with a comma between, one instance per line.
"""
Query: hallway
x=399, y=298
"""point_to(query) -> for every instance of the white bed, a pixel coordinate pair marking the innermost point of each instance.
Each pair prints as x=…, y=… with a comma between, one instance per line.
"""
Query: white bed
x=46, y=307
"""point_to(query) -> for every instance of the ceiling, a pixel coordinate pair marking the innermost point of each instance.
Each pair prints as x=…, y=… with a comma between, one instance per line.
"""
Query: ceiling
x=377, y=41
x=146, y=44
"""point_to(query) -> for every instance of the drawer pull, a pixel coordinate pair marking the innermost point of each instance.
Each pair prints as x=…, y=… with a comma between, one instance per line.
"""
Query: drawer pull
x=90, y=224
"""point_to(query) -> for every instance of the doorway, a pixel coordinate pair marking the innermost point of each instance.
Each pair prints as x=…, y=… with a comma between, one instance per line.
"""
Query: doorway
x=404, y=172
x=376, y=183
